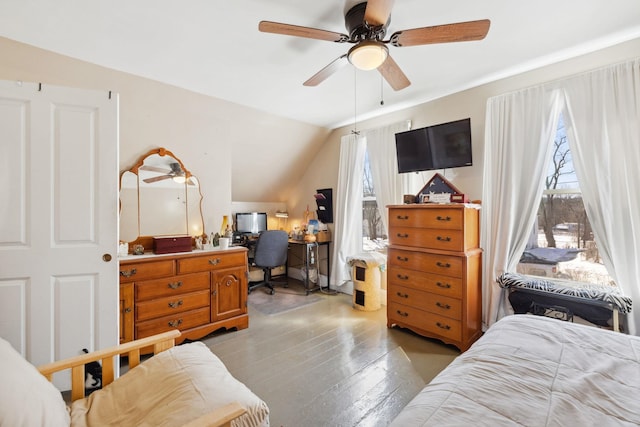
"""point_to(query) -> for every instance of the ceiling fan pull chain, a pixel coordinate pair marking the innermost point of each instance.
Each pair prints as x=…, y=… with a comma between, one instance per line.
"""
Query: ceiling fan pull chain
x=381, y=90
x=355, y=103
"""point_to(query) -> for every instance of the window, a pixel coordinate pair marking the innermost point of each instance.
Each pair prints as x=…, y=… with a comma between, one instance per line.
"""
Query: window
x=374, y=236
x=562, y=243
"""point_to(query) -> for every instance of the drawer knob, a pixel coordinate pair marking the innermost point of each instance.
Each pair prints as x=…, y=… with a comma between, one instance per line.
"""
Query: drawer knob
x=401, y=295
x=443, y=264
x=175, y=323
x=174, y=285
x=402, y=236
x=214, y=261
x=402, y=258
x=441, y=305
x=444, y=239
x=175, y=304
x=443, y=218
x=128, y=273
x=443, y=285
x=402, y=217
x=128, y=310
x=442, y=326
x=402, y=313
x=401, y=277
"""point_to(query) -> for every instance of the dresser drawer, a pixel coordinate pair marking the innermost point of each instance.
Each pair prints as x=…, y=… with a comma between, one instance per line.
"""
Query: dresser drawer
x=449, y=219
x=167, y=306
x=213, y=261
x=130, y=272
x=429, y=322
x=434, y=303
x=186, y=320
x=447, y=265
x=441, y=285
x=174, y=285
x=430, y=238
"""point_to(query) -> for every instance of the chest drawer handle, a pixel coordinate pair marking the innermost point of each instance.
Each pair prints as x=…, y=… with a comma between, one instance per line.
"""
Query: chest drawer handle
x=401, y=277
x=175, y=304
x=401, y=295
x=402, y=236
x=402, y=313
x=443, y=218
x=402, y=258
x=402, y=217
x=443, y=285
x=445, y=306
x=174, y=285
x=215, y=261
x=443, y=239
x=175, y=323
x=443, y=264
x=128, y=273
x=441, y=326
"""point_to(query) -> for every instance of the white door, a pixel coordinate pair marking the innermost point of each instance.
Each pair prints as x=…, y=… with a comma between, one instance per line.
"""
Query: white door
x=58, y=220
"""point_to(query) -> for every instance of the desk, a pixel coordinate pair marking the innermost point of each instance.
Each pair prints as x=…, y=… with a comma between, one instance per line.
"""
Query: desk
x=309, y=259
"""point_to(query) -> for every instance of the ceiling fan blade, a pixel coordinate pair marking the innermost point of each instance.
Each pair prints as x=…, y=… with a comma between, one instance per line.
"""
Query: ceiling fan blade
x=154, y=169
x=393, y=74
x=458, y=32
x=157, y=178
x=298, y=31
x=378, y=12
x=323, y=74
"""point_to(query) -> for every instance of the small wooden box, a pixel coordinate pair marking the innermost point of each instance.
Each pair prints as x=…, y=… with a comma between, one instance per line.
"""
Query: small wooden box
x=323, y=236
x=171, y=244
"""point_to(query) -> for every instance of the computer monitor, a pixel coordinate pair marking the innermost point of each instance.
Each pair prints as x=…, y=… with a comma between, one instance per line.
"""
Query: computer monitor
x=251, y=222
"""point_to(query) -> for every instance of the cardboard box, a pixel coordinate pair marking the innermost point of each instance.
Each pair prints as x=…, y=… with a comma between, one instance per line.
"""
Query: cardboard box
x=171, y=244
x=323, y=236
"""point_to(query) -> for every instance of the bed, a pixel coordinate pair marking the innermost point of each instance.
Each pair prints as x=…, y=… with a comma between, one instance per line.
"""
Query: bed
x=184, y=385
x=535, y=371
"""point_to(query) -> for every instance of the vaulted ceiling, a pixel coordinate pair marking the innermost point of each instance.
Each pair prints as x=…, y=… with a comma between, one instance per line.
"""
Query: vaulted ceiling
x=215, y=48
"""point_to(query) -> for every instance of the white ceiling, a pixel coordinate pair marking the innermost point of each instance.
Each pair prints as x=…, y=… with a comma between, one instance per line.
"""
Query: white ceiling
x=215, y=48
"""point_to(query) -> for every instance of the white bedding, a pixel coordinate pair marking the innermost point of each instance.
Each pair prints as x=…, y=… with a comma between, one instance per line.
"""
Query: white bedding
x=535, y=371
x=170, y=389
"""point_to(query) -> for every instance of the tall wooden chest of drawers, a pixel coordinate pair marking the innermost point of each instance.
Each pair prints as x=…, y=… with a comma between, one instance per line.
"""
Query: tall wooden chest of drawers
x=434, y=272
x=197, y=293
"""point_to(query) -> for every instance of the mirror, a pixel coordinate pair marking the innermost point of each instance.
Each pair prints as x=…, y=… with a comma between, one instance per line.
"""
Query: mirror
x=159, y=196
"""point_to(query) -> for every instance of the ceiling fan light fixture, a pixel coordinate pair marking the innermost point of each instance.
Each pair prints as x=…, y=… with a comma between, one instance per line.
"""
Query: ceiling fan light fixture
x=180, y=179
x=368, y=54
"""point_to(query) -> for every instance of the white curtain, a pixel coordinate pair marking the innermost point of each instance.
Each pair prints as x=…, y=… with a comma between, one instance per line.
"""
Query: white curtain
x=603, y=128
x=520, y=128
x=387, y=182
x=348, y=214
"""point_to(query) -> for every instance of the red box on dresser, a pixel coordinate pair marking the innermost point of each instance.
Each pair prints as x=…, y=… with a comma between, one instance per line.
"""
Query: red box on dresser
x=171, y=244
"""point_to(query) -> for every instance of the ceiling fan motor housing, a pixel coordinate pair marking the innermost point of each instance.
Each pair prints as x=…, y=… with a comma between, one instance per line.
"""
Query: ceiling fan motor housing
x=358, y=29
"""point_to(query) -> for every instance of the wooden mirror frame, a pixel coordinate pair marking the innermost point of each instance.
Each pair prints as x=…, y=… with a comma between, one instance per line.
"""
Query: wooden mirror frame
x=144, y=240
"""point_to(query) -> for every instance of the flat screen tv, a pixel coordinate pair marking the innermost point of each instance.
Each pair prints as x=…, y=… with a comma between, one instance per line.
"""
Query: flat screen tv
x=442, y=146
x=251, y=222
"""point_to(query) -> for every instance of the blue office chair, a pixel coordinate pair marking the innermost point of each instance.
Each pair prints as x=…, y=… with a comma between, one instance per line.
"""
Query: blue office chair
x=270, y=252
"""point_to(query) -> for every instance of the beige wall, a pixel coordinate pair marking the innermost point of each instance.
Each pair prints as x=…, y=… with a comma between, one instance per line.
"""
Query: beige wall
x=322, y=172
x=232, y=149
x=239, y=154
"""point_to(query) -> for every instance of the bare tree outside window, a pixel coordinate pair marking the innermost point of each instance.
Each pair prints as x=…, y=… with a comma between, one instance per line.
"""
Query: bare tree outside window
x=562, y=243
x=374, y=235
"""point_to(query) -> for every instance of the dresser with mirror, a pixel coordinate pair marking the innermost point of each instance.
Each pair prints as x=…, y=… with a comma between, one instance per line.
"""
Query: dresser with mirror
x=197, y=292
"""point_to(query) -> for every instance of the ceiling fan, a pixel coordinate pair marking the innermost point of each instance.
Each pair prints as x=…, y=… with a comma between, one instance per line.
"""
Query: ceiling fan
x=176, y=173
x=367, y=24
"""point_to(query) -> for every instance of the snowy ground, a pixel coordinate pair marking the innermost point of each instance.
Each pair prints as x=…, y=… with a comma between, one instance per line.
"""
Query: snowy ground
x=580, y=269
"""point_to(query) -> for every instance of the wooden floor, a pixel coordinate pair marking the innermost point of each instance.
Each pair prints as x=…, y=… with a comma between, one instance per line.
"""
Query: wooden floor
x=327, y=364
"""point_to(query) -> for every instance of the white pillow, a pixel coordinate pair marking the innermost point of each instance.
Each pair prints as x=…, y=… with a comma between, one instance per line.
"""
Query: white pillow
x=27, y=398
